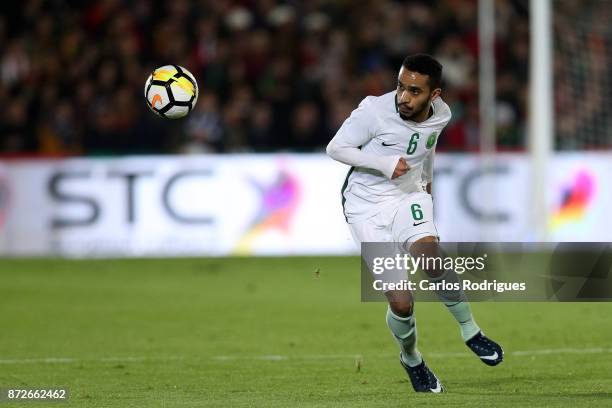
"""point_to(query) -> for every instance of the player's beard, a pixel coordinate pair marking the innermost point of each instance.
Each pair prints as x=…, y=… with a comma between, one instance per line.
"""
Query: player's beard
x=416, y=112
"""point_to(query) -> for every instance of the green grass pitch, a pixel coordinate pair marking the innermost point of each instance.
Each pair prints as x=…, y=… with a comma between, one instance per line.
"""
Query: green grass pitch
x=274, y=332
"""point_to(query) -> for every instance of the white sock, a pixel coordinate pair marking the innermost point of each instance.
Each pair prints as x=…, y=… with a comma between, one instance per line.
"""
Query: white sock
x=463, y=314
x=405, y=333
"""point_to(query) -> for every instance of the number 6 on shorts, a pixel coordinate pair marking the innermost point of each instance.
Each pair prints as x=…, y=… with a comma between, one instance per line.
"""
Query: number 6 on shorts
x=417, y=212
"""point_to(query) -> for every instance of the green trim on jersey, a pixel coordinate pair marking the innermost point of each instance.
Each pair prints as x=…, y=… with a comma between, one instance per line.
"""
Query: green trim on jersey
x=431, y=140
x=344, y=188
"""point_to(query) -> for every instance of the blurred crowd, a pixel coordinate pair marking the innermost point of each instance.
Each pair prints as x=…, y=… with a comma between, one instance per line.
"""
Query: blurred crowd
x=273, y=75
x=583, y=77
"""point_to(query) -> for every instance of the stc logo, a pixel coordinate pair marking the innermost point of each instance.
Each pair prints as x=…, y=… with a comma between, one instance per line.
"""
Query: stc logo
x=278, y=201
x=59, y=193
x=575, y=199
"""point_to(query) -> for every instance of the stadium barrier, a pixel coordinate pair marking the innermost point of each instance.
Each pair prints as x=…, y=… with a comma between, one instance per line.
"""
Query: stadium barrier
x=284, y=204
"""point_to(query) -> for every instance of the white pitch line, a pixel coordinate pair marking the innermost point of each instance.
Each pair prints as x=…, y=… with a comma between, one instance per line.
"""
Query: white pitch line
x=71, y=360
x=516, y=353
x=298, y=357
x=275, y=357
x=561, y=351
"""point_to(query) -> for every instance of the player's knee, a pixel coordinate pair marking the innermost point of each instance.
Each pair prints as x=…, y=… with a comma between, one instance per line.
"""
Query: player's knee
x=402, y=309
x=423, y=246
x=428, y=248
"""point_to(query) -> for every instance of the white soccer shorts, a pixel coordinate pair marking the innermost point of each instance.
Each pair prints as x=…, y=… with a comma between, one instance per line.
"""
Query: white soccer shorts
x=405, y=223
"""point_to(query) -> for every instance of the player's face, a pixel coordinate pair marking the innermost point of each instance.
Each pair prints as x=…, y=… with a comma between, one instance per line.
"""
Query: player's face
x=414, y=95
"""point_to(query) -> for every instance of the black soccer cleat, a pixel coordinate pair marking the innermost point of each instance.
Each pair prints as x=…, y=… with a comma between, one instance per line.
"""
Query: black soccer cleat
x=486, y=349
x=422, y=379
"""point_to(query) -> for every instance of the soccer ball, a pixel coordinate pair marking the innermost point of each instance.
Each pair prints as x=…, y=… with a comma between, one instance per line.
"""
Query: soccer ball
x=171, y=91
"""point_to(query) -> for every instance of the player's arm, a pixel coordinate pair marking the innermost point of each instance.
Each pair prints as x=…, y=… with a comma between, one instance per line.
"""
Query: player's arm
x=355, y=132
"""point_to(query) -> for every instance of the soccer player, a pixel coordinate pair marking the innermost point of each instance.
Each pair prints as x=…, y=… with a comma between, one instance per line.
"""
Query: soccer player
x=389, y=142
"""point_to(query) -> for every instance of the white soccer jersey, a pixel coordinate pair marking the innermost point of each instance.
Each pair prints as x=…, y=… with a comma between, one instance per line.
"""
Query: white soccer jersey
x=372, y=140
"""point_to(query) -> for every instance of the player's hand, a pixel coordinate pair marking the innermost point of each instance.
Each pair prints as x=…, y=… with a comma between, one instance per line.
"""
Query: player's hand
x=401, y=168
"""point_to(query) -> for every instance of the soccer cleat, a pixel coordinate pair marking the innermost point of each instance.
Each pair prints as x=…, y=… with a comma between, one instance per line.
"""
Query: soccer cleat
x=486, y=349
x=422, y=379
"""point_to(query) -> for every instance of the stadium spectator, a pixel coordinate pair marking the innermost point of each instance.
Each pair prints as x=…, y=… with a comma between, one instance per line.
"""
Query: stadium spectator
x=273, y=75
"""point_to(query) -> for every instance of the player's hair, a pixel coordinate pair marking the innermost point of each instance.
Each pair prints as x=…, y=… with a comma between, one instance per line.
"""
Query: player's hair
x=427, y=65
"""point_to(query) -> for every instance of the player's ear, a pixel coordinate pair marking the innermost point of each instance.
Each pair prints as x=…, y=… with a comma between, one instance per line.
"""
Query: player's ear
x=435, y=93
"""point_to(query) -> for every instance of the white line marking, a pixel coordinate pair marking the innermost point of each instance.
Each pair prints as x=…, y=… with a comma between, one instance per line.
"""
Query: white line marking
x=275, y=357
x=297, y=357
x=269, y=358
x=561, y=351
x=71, y=360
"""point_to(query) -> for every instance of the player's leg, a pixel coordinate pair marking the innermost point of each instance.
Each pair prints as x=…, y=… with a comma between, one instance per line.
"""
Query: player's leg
x=401, y=322
x=413, y=227
x=400, y=315
x=457, y=304
x=455, y=301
